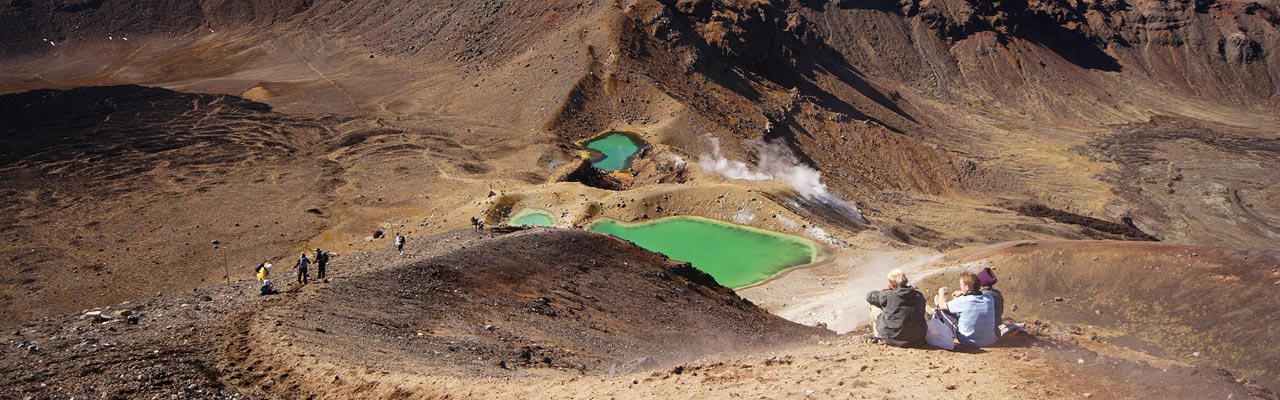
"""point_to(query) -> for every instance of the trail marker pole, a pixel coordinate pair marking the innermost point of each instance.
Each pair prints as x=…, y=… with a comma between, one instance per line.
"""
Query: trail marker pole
x=226, y=269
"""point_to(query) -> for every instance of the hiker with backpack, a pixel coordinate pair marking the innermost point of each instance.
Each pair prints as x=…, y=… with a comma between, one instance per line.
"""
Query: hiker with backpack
x=399, y=243
x=897, y=313
x=301, y=266
x=322, y=259
x=262, y=271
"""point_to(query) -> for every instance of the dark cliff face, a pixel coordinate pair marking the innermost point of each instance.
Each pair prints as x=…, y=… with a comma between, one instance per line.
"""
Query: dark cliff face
x=1086, y=31
x=757, y=34
x=32, y=25
x=1102, y=22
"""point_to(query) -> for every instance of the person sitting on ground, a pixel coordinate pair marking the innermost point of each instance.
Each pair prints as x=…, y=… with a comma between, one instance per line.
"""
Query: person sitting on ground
x=897, y=312
x=970, y=313
x=987, y=278
x=267, y=288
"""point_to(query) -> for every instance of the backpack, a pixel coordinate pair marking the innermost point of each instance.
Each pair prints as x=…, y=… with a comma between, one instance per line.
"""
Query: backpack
x=259, y=268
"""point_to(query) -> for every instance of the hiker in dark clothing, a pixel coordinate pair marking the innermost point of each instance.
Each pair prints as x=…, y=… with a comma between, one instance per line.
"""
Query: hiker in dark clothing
x=897, y=313
x=267, y=288
x=399, y=243
x=988, y=279
x=301, y=266
x=322, y=259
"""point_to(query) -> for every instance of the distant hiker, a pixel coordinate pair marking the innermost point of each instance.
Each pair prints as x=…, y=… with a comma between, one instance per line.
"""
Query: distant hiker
x=262, y=270
x=969, y=313
x=399, y=243
x=301, y=266
x=322, y=259
x=897, y=313
x=987, y=278
x=477, y=224
x=267, y=288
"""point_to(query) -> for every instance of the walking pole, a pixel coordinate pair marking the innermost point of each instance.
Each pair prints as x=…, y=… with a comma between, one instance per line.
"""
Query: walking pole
x=225, y=269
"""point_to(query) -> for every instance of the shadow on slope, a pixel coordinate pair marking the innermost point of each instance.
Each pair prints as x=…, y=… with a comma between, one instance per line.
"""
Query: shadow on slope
x=531, y=302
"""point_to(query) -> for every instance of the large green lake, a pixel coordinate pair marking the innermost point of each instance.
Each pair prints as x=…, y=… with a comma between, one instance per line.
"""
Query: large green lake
x=616, y=149
x=735, y=255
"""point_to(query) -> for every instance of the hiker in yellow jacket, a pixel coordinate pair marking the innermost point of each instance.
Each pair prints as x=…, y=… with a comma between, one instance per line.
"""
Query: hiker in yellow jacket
x=263, y=270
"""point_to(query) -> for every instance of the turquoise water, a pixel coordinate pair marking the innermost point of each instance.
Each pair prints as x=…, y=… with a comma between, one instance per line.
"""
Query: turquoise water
x=735, y=255
x=617, y=150
x=530, y=217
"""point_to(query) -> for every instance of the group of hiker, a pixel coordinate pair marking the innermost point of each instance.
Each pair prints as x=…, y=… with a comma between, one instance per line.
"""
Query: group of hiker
x=303, y=266
x=971, y=316
x=263, y=271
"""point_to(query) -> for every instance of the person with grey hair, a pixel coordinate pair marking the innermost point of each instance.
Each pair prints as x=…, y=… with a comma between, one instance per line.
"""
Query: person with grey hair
x=897, y=313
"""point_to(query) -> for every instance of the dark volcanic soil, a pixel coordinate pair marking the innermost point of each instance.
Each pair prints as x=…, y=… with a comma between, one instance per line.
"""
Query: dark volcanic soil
x=1190, y=184
x=115, y=192
x=457, y=304
x=529, y=301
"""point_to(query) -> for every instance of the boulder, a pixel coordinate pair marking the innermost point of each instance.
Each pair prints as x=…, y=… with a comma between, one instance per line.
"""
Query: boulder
x=630, y=367
x=97, y=315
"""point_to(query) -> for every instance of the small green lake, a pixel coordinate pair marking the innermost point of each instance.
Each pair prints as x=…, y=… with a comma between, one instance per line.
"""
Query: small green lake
x=735, y=255
x=615, y=150
x=531, y=217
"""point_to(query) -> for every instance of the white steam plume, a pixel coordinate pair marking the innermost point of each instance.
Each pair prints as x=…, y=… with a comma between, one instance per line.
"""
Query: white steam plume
x=777, y=162
x=732, y=169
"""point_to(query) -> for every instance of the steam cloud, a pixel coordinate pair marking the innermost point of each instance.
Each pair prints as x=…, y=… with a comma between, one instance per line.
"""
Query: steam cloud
x=870, y=272
x=777, y=162
x=843, y=306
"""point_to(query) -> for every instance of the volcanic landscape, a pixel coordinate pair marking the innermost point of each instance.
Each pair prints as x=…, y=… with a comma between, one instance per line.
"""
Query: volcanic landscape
x=680, y=198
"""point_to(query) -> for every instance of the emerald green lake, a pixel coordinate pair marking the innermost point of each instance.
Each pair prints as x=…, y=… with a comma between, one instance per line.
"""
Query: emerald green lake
x=735, y=255
x=616, y=150
x=530, y=217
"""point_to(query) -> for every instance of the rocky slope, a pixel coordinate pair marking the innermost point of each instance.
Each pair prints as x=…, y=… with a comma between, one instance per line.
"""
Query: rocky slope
x=466, y=315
